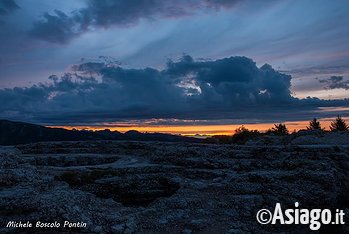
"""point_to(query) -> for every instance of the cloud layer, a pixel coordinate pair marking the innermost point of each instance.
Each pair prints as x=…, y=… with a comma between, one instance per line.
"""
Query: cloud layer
x=61, y=28
x=7, y=7
x=335, y=82
x=229, y=88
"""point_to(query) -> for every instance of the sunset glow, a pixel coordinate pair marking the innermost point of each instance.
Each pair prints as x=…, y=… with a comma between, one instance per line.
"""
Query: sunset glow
x=206, y=130
x=179, y=67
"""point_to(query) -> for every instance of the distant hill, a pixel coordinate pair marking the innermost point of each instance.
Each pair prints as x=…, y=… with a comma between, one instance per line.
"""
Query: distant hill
x=13, y=133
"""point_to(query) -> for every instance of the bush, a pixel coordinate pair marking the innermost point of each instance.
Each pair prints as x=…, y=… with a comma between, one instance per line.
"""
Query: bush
x=242, y=135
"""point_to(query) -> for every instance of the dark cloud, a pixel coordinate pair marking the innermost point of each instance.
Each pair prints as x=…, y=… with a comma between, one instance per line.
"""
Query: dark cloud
x=7, y=7
x=60, y=28
x=229, y=88
x=318, y=70
x=335, y=82
x=234, y=81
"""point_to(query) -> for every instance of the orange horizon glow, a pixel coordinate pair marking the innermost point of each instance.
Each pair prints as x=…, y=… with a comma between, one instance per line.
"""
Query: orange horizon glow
x=192, y=130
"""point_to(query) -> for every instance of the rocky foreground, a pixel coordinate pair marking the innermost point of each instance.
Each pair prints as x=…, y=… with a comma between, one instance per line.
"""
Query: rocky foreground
x=149, y=187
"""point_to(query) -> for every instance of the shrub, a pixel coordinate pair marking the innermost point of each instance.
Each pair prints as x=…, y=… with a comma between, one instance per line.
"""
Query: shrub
x=242, y=135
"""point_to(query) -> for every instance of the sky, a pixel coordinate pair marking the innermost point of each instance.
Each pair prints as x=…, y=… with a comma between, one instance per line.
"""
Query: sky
x=183, y=67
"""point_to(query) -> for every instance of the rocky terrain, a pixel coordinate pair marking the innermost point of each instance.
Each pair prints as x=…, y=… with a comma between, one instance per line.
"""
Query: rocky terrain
x=153, y=187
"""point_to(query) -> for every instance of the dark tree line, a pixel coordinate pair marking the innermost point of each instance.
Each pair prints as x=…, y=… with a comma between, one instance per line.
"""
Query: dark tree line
x=242, y=134
x=336, y=125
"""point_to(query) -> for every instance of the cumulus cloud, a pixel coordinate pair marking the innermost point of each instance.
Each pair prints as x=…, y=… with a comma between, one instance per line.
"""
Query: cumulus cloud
x=234, y=81
x=335, y=82
x=61, y=28
x=7, y=7
x=186, y=89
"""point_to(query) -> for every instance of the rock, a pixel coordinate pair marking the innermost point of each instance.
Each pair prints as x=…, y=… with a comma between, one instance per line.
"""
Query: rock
x=172, y=187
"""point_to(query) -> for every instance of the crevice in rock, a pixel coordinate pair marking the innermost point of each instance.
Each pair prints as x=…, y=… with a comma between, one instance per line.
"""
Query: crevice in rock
x=130, y=190
x=71, y=160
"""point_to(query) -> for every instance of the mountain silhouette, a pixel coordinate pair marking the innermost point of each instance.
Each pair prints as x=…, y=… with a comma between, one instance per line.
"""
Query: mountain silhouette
x=13, y=133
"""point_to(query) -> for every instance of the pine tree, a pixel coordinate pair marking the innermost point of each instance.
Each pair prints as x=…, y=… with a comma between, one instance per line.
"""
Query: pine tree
x=314, y=125
x=339, y=124
x=279, y=129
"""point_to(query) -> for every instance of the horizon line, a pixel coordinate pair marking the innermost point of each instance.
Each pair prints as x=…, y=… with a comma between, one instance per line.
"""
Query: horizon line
x=197, y=130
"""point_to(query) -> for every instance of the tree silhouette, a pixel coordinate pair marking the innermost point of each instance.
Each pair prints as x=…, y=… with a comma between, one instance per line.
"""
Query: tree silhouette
x=314, y=125
x=339, y=124
x=241, y=129
x=242, y=135
x=279, y=129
